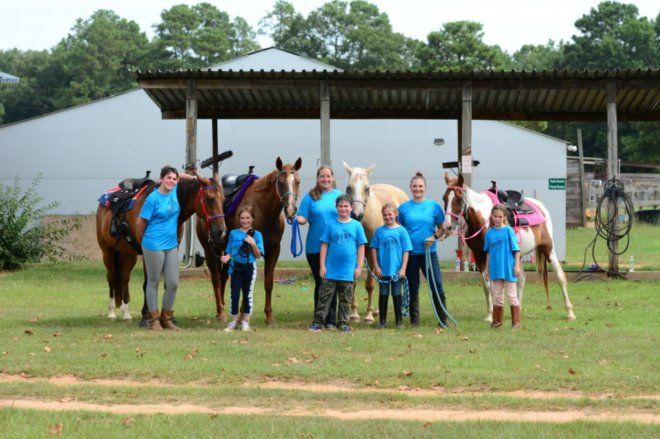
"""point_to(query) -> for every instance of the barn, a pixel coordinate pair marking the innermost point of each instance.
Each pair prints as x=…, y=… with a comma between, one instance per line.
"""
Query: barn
x=83, y=150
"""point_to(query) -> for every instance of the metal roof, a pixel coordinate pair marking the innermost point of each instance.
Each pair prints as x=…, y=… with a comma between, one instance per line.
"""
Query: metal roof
x=6, y=78
x=496, y=95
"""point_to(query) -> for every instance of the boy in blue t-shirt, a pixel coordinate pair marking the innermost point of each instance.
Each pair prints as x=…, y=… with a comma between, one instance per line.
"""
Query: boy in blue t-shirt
x=342, y=253
x=390, y=246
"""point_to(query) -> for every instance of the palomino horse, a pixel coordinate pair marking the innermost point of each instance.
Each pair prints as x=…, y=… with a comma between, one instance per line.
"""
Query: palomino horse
x=202, y=196
x=472, y=210
x=268, y=196
x=367, y=204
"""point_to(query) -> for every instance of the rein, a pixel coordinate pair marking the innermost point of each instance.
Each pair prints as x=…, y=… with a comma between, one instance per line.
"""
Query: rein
x=462, y=218
x=296, y=238
x=430, y=281
x=405, y=294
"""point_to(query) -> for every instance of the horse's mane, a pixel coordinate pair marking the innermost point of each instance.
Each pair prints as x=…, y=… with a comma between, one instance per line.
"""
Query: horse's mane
x=187, y=189
x=266, y=182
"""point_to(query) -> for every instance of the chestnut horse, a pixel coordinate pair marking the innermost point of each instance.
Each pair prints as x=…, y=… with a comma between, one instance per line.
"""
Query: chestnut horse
x=472, y=210
x=202, y=196
x=367, y=204
x=268, y=196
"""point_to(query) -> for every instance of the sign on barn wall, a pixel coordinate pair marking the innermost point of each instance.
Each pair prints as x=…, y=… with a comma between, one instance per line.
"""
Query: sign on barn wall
x=557, y=184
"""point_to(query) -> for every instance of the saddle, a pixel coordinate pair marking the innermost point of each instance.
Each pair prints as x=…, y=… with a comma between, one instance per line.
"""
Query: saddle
x=234, y=186
x=520, y=212
x=135, y=183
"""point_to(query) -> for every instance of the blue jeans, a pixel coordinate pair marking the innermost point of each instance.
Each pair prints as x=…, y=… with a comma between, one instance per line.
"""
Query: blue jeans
x=417, y=262
x=386, y=286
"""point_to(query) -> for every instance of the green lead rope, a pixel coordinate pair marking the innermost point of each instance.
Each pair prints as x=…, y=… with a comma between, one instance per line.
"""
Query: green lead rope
x=430, y=280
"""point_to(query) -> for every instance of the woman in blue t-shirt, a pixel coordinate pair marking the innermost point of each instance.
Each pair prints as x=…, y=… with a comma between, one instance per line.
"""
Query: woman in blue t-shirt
x=423, y=220
x=318, y=208
x=160, y=246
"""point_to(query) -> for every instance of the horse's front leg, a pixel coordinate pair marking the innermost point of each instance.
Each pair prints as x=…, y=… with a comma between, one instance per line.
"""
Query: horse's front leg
x=108, y=261
x=563, y=283
x=126, y=265
x=369, y=285
x=215, y=269
x=355, y=317
x=489, y=298
x=272, y=254
x=520, y=286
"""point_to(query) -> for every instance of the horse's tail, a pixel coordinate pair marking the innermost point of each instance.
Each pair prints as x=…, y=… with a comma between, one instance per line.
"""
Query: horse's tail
x=117, y=279
x=542, y=271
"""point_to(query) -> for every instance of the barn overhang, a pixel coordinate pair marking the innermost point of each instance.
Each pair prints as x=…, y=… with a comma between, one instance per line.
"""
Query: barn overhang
x=559, y=95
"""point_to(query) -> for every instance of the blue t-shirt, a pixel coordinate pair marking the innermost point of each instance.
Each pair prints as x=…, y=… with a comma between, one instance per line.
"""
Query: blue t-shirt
x=343, y=240
x=318, y=213
x=501, y=244
x=391, y=243
x=162, y=213
x=420, y=219
x=234, y=244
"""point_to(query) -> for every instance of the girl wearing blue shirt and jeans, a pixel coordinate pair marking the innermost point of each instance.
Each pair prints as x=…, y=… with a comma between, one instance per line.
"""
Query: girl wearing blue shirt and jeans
x=422, y=219
x=390, y=246
x=244, y=246
x=318, y=208
x=341, y=257
x=502, y=266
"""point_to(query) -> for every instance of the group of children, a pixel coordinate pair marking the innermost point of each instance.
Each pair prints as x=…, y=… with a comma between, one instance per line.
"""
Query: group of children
x=341, y=261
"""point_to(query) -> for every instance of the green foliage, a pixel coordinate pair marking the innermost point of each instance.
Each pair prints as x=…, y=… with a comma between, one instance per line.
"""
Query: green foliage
x=538, y=57
x=459, y=45
x=24, y=235
x=643, y=144
x=199, y=36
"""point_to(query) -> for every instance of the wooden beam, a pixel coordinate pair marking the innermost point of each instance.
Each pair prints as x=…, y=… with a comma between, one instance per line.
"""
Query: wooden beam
x=583, y=192
x=612, y=171
x=324, y=97
x=214, y=135
x=466, y=133
x=191, y=123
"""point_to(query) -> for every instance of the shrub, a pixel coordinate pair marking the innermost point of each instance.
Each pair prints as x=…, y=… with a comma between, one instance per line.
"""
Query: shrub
x=24, y=236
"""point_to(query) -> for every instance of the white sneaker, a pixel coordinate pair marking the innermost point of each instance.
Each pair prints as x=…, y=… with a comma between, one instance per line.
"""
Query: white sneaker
x=245, y=325
x=231, y=326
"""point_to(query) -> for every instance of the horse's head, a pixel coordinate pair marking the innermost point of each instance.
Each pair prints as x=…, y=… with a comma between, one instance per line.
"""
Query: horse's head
x=455, y=202
x=209, y=207
x=288, y=186
x=358, y=188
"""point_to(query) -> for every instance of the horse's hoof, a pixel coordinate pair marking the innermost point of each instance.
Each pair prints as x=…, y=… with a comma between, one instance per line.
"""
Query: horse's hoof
x=127, y=318
x=571, y=317
x=355, y=318
x=489, y=319
x=548, y=308
x=144, y=323
x=112, y=316
x=270, y=322
x=368, y=320
x=221, y=318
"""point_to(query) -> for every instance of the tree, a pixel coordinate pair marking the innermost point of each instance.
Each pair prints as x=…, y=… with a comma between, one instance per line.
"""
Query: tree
x=199, y=36
x=538, y=57
x=643, y=145
x=459, y=45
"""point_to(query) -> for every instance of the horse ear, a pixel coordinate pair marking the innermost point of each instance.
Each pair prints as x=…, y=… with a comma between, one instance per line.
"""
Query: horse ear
x=460, y=179
x=447, y=177
x=347, y=167
x=298, y=164
x=370, y=170
x=278, y=163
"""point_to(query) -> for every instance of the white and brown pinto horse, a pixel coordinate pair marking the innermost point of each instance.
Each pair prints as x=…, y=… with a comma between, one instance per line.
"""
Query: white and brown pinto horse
x=469, y=212
x=367, y=204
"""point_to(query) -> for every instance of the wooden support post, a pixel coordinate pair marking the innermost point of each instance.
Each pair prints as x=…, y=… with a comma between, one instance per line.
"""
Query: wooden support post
x=466, y=150
x=612, y=170
x=324, y=94
x=214, y=131
x=191, y=158
x=583, y=191
x=459, y=153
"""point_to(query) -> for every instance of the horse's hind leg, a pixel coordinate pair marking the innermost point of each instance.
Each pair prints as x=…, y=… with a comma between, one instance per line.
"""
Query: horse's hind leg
x=355, y=317
x=109, y=262
x=563, y=283
x=489, y=299
x=369, y=284
x=520, y=287
x=126, y=264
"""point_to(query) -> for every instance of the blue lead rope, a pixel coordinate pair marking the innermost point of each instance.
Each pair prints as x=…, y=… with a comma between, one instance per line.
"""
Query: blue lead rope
x=296, y=238
x=405, y=294
x=430, y=280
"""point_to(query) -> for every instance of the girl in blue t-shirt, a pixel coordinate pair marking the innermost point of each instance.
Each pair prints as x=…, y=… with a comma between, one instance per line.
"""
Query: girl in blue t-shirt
x=244, y=246
x=341, y=258
x=423, y=220
x=502, y=266
x=318, y=208
x=390, y=246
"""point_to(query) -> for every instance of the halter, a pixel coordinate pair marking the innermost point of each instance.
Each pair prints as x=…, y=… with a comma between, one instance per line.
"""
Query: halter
x=207, y=218
x=282, y=197
x=462, y=217
x=364, y=203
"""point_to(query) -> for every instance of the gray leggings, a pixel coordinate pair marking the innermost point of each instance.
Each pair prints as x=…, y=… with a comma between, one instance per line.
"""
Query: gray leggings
x=157, y=262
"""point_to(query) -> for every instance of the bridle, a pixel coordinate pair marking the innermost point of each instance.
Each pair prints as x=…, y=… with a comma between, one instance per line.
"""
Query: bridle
x=207, y=218
x=363, y=203
x=283, y=197
x=462, y=216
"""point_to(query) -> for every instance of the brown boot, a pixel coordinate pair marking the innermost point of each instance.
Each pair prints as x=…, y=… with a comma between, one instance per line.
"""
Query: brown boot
x=515, y=317
x=498, y=313
x=154, y=321
x=166, y=320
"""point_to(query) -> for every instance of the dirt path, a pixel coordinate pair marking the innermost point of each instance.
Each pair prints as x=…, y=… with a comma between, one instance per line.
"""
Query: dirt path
x=354, y=413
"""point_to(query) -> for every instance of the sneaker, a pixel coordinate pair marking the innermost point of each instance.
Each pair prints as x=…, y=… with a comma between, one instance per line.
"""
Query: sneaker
x=381, y=326
x=315, y=327
x=330, y=327
x=231, y=326
x=245, y=325
x=346, y=329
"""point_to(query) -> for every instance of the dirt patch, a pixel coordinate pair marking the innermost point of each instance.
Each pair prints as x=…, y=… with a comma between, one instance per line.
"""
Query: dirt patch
x=402, y=415
x=81, y=243
x=68, y=380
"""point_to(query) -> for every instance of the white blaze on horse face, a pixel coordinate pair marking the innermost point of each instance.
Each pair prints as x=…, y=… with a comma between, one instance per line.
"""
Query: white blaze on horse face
x=450, y=220
x=290, y=195
x=358, y=184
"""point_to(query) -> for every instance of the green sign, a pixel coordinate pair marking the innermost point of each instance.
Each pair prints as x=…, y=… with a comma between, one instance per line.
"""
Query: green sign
x=557, y=184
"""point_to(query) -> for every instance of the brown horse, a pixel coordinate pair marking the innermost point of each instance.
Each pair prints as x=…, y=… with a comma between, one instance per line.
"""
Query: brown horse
x=368, y=202
x=462, y=204
x=201, y=196
x=268, y=196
